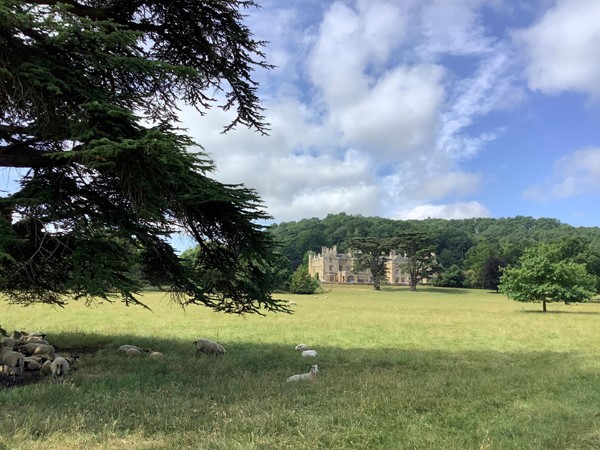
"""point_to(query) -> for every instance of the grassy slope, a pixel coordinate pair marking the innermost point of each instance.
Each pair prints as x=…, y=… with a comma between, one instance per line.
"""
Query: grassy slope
x=447, y=369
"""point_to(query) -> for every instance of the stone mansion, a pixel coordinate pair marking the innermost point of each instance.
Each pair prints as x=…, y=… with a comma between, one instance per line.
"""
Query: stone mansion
x=329, y=266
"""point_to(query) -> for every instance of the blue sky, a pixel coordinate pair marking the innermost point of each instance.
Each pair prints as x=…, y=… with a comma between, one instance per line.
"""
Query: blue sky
x=422, y=108
x=409, y=109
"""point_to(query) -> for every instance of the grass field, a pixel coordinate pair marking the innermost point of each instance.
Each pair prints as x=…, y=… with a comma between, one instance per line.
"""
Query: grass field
x=435, y=369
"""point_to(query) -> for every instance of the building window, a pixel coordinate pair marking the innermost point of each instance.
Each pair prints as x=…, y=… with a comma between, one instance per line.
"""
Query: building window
x=331, y=268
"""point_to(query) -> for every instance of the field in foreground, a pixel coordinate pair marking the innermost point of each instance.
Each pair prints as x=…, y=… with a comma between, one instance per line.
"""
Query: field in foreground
x=435, y=369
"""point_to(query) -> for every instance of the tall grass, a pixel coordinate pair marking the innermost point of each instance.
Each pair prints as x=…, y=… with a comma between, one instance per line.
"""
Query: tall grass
x=435, y=369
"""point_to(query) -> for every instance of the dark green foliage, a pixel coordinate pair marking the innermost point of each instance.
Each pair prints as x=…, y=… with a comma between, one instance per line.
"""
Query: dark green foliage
x=544, y=275
x=419, y=250
x=471, y=244
x=302, y=282
x=89, y=93
x=370, y=254
x=452, y=277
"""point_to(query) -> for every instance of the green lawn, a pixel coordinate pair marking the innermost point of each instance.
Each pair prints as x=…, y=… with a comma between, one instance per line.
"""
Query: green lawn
x=435, y=369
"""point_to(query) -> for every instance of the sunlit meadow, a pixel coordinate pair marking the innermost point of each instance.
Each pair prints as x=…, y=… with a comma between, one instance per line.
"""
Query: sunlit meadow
x=435, y=369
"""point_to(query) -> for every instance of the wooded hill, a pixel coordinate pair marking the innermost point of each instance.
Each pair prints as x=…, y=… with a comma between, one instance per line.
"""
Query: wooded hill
x=465, y=244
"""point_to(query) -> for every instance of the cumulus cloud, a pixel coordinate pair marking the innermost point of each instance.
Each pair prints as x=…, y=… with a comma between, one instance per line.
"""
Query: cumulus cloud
x=575, y=174
x=365, y=108
x=563, y=48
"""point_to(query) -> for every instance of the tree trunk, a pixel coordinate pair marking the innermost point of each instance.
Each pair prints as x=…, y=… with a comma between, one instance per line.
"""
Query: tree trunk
x=544, y=307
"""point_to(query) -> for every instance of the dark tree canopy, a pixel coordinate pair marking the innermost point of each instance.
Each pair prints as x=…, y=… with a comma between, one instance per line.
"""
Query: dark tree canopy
x=419, y=250
x=89, y=94
x=370, y=254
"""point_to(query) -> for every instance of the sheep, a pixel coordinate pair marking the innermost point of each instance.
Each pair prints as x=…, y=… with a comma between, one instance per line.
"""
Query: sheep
x=306, y=352
x=11, y=361
x=33, y=348
x=8, y=343
x=73, y=360
x=132, y=352
x=206, y=346
x=33, y=340
x=31, y=364
x=59, y=368
x=310, y=376
x=156, y=355
x=46, y=368
x=126, y=347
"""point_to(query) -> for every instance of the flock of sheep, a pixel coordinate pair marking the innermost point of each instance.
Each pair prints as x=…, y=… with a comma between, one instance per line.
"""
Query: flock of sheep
x=31, y=352
x=214, y=348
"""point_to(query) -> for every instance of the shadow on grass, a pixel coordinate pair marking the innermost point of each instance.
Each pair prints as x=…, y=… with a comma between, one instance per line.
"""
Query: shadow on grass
x=433, y=386
x=561, y=312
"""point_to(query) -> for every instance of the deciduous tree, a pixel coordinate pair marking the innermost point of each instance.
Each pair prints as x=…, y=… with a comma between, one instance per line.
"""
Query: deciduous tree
x=545, y=276
x=90, y=93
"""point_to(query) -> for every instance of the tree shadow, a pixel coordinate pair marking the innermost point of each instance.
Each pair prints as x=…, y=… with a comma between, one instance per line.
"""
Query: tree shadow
x=561, y=312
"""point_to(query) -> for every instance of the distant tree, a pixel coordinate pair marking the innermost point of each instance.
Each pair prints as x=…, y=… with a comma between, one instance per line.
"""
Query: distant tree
x=90, y=96
x=302, y=282
x=453, y=277
x=545, y=276
x=370, y=253
x=419, y=250
x=491, y=272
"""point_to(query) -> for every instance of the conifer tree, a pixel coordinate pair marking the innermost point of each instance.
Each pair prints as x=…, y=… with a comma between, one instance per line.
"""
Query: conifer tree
x=90, y=92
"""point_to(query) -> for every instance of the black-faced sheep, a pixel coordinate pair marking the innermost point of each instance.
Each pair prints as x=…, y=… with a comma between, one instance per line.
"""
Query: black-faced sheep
x=11, y=362
x=59, y=368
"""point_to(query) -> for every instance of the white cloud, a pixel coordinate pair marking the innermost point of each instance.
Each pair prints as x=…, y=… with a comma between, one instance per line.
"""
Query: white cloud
x=575, y=174
x=450, y=211
x=563, y=48
x=365, y=109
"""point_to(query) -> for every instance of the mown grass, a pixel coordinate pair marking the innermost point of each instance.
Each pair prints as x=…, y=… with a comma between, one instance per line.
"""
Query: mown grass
x=435, y=369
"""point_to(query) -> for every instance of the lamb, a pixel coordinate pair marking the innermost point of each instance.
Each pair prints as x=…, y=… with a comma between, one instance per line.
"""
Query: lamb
x=11, y=361
x=310, y=376
x=306, y=353
x=156, y=355
x=59, y=368
x=206, y=346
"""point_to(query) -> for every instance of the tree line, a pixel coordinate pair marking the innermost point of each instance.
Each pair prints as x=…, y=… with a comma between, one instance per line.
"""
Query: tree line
x=470, y=253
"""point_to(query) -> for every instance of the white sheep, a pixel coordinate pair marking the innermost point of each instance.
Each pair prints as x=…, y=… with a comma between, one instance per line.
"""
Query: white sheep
x=156, y=355
x=301, y=347
x=11, y=361
x=309, y=353
x=310, y=376
x=207, y=346
x=126, y=347
x=59, y=368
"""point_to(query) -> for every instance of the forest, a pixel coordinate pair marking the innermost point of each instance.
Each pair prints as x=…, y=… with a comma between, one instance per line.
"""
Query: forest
x=470, y=252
